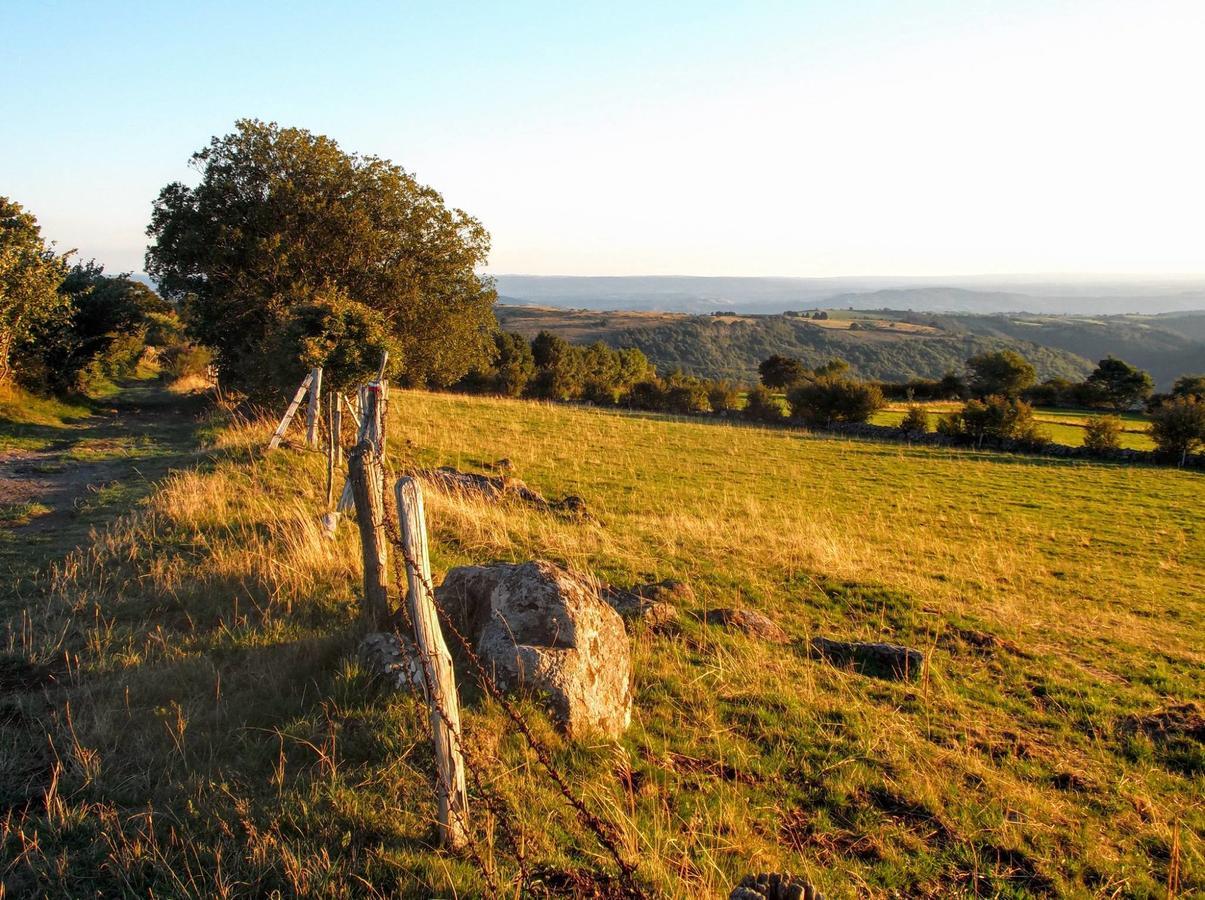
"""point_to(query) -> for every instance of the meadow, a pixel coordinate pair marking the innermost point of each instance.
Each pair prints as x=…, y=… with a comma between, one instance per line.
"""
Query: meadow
x=183, y=713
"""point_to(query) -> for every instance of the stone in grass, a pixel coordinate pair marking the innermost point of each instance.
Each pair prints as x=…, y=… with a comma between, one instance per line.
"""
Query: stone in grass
x=536, y=627
x=878, y=660
x=648, y=603
x=774, y=886
x=749, y=621
x=393, y=660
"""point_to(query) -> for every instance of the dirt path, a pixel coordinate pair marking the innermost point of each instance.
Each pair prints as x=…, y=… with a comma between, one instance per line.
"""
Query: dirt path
x=65, y=480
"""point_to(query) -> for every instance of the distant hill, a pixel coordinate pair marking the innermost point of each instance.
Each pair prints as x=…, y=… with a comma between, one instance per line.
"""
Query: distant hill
x=732, y=346
x=1166, y=346
x=982, y=294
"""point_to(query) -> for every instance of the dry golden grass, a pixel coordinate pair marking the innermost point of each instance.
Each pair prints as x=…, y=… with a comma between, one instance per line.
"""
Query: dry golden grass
x=213, y=735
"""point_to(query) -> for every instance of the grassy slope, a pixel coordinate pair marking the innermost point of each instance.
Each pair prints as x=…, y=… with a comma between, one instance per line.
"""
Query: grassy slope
x=219, y=735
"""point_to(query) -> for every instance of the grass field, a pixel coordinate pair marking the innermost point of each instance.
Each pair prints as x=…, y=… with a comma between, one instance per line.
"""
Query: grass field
x=1063, y=426
x=183, y=715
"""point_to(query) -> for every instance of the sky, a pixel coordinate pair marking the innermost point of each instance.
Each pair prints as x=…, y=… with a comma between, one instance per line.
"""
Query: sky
x=647, y=138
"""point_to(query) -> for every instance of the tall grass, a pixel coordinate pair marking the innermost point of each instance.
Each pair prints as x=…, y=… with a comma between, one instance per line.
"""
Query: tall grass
x=208, y=732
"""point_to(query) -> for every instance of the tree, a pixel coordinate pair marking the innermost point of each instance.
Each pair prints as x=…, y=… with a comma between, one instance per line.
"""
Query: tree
x=1121, y=385
x=283, y=218
x=514, y=366
x=782, y=372
x=30, y=276
x=830, y=399
x=1189, y=386
x=1178, y=427
x=1003, y=372
x=1102, y=434
x=99, y=330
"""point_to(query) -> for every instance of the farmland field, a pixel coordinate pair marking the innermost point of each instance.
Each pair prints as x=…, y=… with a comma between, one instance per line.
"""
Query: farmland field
x=213, y=729
x=1063, y=426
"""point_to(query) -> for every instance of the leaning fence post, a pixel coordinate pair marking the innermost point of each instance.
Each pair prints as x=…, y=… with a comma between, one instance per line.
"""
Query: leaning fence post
x=314, y=409
x=368, y=488
x=290, y=412
x=337, y=428
x=440, y=683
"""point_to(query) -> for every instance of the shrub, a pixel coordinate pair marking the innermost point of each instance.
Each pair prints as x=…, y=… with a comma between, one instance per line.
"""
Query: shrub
x=996, y=418
x=916, y=421
x=1102, y=434
x=762, y=406
x=648, y=395
x=831, y=399
x=723, y=396
x=1178, y=427
x=184, y=360
x=687, y=398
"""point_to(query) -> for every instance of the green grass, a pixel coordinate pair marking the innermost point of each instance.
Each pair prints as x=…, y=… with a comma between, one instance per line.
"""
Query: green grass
x=1063, y=426
x=212, y=733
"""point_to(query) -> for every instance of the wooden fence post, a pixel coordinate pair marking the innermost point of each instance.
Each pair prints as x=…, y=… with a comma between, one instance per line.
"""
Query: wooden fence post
x=332, y=441
x=290, y=412
x=337, y=428
x=440, y=681
x=368, y=488
x=314, y=409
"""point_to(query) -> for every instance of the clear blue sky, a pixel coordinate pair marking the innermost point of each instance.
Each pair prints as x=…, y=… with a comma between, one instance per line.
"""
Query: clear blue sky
x=653, y=138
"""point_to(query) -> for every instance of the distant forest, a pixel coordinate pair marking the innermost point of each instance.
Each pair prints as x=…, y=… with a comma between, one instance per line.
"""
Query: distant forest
x=732, y=347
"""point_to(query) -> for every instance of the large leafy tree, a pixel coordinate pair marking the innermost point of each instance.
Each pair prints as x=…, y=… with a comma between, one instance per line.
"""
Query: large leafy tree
x=1003, y=372
x=30, y=275
x=286, y=233
x=1120, y=384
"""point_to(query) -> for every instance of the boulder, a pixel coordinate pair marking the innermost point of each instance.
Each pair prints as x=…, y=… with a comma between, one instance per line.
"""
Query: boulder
x=879, y=660
x=750, y=622
x=538, y=628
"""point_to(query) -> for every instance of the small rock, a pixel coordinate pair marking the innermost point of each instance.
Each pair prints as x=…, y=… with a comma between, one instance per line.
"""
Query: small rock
x=667, y=591
x=774, y=886
x=503, y=465
x=633, y=607
x=749, y=621
x=392, y=659
x=879, y=660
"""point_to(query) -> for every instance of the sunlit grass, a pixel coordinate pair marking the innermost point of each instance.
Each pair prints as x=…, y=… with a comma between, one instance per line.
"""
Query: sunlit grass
x=212, y=679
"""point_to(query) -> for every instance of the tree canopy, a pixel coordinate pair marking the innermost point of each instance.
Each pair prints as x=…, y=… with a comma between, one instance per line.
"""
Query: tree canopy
x=1003, y=372
x=286, y=234
x=1121, y=385
x=30, y=275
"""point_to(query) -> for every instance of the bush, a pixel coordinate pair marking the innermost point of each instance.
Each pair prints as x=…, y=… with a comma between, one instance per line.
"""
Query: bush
x=1102, y=434
x=762, y=406
x=1178, y=427
x=916, y=421
x=648, y=395
x=996, y=418
x=687, y=398
x=723, y=397
x=184, y=360
x=830, y=399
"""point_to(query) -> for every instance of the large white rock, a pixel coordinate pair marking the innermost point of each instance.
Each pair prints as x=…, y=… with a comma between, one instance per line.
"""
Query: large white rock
x=538, y=628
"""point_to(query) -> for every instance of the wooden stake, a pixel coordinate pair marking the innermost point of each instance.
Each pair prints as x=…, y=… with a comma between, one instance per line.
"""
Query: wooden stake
x=332, y=441
x=368, y=488
x=315, y=408
x=337, y=428
x=290, y=412
x=440, y=681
